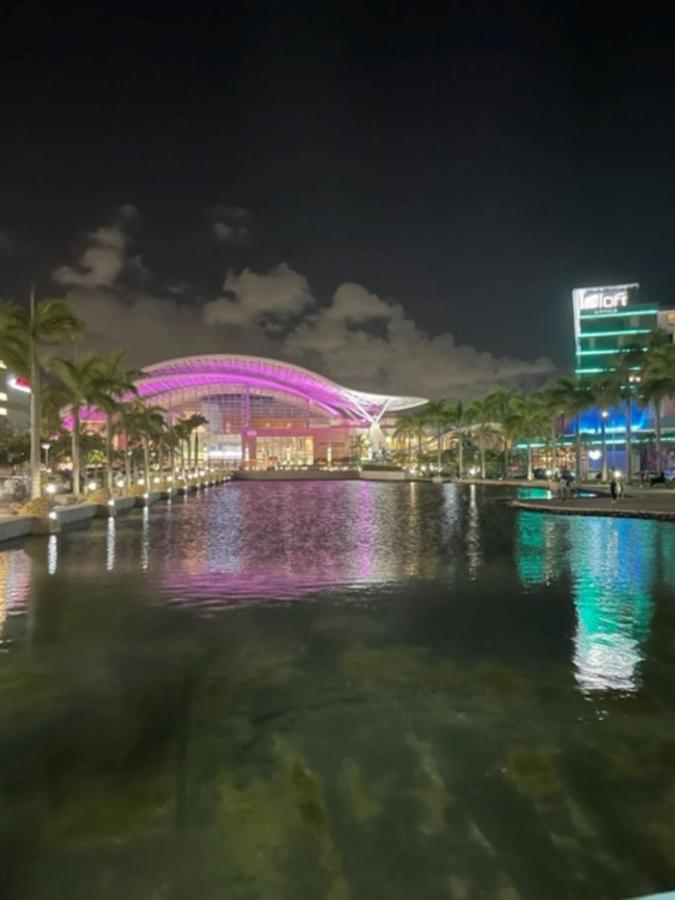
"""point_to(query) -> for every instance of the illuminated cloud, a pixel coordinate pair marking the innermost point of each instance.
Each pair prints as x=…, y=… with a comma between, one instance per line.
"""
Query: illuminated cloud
x=231, y=225
x=370, y=341
x=264, y=300
x=358, y=338
x=105, y=258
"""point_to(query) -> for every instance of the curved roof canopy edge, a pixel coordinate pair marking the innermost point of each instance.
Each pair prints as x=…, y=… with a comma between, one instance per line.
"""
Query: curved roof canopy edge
x=221, y=369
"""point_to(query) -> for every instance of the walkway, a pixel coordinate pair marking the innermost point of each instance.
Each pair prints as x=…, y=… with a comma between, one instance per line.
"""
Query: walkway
x=640, y=503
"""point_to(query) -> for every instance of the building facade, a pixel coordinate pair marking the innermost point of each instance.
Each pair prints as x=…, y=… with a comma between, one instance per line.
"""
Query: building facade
x=263, y=413
x=610, y=320
x=14, y=400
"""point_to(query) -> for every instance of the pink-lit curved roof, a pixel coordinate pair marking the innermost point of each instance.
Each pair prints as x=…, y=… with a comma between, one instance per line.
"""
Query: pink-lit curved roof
x=214, y=370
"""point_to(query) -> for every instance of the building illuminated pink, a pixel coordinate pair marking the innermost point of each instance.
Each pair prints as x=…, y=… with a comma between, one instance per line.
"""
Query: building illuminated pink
x=266, y=413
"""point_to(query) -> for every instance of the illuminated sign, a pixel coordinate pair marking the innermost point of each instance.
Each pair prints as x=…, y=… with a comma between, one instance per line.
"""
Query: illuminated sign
x=603, y=300
x=613, y=300
x=18, y=384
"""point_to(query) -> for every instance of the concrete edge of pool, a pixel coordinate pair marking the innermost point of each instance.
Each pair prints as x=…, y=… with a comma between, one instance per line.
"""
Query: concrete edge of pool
x=14, y=526
x=624, y=508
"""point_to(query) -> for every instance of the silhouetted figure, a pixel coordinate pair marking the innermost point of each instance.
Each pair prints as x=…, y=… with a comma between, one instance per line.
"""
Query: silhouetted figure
x=614, y=488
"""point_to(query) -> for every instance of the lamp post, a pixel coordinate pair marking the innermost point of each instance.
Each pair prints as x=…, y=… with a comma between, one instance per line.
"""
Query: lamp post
x=45, y=447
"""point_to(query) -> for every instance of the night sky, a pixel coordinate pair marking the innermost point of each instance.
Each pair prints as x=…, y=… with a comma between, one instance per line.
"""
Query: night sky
x=472, y=165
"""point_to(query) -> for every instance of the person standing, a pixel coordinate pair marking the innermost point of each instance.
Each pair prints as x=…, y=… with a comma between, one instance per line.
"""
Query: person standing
x=614, y=488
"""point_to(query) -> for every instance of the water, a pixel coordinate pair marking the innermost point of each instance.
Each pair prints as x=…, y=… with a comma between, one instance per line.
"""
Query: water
x=339, y=690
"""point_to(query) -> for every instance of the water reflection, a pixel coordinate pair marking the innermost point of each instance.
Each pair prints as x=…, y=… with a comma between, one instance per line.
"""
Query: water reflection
x=15, y=585
x=474, y=557
x=613, y=565
x=110, y=544
x=145, y=538
x=248, y=540
x=374, y=739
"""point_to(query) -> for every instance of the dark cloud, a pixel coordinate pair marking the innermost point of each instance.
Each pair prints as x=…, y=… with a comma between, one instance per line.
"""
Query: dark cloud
x=356, y=337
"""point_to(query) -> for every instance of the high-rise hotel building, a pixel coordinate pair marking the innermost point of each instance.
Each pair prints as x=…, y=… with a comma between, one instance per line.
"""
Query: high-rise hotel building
x=608, y=320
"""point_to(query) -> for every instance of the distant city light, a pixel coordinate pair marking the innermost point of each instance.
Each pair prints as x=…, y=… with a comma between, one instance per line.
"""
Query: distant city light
x=18, y=384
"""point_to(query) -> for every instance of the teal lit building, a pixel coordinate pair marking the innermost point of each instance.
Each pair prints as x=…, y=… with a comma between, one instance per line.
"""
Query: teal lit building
x=607, y=321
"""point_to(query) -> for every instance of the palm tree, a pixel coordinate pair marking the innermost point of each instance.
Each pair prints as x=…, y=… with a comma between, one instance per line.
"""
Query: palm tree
x=150, y=425
x=438, y=414
x=195, y=422
x=496, y=409
x=658, y=383
x=23, y=334
x=553, y=399
x=407, y=428
x=53, y=399
x=626, y=372
x=606, y=392
x=572, y=398
x=457, y=417
x=130, y=426
x=78, y=380
x=480, y=413
x=525, y=419
x=110, y=384
x=171, y=442
x=184, y=429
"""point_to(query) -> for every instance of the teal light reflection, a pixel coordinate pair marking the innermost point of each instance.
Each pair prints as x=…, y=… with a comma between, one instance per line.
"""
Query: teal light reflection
x=613, y=569
x=613, y=565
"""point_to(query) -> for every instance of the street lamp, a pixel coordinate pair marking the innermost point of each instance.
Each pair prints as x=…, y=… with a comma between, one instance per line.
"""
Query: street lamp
x=46, y=447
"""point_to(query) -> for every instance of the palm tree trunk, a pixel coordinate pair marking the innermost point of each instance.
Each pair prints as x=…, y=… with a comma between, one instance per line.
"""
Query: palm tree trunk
x=108, y=453
x=481, y=447
x=629, y=440
x=460, y=453
x=127, y=463
x=146, y=462
x=506, y=459
x=530, y=468
x=603, y=437
x=75, y=451
x=419, y=447
x=554, y=444
x=657, y=432
x=439, y=437
x=189, y=453
x=196, y=449
x=577, y=448
x=35, y=424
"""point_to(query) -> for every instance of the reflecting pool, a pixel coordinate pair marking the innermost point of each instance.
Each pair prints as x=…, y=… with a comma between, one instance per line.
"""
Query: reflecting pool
x=339, y=690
